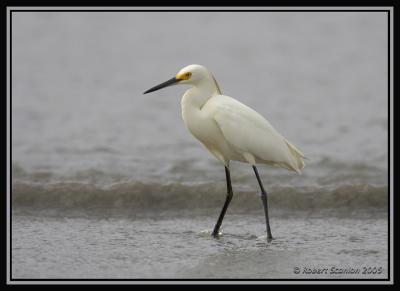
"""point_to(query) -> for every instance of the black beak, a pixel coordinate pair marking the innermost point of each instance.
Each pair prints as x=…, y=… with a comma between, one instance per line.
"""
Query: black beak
x=163, y=85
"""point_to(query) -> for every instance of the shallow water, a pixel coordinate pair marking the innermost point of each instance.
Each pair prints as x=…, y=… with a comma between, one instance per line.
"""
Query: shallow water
x=107, y=182
x=181, y=247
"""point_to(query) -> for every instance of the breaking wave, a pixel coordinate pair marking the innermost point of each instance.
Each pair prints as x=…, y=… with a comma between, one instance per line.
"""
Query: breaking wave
x=151, y=196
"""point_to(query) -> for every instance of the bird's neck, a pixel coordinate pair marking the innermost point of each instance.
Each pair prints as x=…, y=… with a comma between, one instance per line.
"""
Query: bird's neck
x=192, y=102
x=199, y=94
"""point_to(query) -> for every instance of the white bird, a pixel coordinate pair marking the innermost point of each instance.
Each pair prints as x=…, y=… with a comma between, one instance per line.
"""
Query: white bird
x=231, y=131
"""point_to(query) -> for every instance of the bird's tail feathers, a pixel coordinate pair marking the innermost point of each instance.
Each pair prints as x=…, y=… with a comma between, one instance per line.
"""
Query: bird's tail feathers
x=297, y=157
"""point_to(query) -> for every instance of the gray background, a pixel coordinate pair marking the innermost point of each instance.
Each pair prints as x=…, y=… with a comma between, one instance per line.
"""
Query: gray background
x=78, y=78
x=107, y=182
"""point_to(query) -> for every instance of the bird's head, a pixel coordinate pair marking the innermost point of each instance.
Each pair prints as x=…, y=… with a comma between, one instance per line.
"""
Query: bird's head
x=189, y=75
x=192, y=74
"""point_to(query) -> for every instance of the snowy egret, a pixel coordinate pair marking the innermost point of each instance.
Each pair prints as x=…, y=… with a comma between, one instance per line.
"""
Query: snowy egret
x=230, y=131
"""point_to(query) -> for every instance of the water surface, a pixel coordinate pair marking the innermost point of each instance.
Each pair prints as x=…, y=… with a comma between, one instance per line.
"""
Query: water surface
x=108, y=183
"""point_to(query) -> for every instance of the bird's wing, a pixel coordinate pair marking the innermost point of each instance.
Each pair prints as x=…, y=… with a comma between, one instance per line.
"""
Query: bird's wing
x=248, y=132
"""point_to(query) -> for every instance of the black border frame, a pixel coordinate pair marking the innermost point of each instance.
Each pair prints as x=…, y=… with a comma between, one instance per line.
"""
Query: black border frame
x=104, y=9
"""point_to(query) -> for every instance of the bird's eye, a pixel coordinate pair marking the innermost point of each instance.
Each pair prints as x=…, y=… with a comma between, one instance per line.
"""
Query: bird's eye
x=188, y=75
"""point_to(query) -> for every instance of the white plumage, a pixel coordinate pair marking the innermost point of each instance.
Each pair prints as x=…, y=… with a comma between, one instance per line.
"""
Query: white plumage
x=231, y=131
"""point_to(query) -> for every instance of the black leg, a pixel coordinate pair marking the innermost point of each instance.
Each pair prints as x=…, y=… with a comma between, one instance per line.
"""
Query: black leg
x=228, y=199
x=265, y=203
